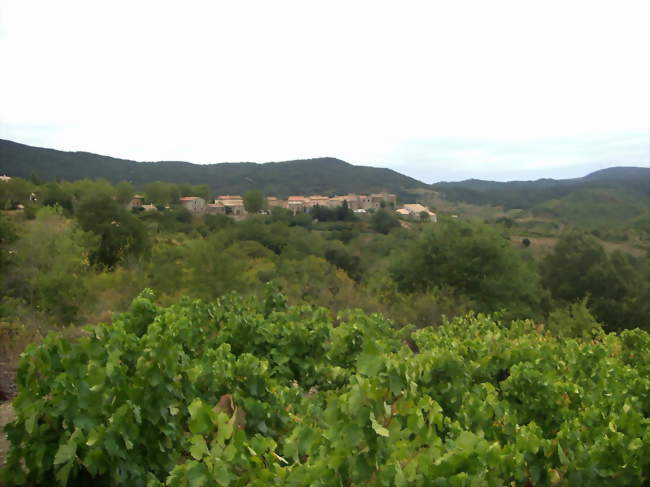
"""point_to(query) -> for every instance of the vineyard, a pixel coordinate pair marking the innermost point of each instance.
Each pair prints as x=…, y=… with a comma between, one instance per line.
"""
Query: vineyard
x=247, y=391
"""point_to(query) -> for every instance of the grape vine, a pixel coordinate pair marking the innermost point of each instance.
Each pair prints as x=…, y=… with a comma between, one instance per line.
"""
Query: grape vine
x=254, y=392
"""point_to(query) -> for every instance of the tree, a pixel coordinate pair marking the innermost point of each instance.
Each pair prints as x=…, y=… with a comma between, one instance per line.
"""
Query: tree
x=340, y=257
x=384, y=221
x=323, y=213
x=160, y=193
x=54, y=194
x=35, y=179
x=344, y=213
x=578, y=267
x=16, y=191
x=51, y=257
x=201, y=190
x=474, y=260
x=88, y=187
x=254, y=201
x=121, y=233
x=124, y=192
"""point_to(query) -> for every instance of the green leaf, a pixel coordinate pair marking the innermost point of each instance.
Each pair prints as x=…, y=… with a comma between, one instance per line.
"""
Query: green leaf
x=370, y=363
x=64, y=473
x=200, y=417
x=94, y=436
x=30, y=423
x=196, y=474
x=65, y=453
x=198, y=447
x=194, y=373
x=466, y=441
x=635, y=444
x=221, y=473
x=224, y=432
x=379, y=429
x=560, y=453
x=400, y=479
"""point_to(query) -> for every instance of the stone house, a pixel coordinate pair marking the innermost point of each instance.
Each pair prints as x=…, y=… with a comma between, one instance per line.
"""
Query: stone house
x=318, y=200
x=387, y=199
x=194, y=204
x=233, y=206
x=297, y=204
x=365, y=202
x=272, y=201
x=136, y=202
x=416, y=211
x=215, y=208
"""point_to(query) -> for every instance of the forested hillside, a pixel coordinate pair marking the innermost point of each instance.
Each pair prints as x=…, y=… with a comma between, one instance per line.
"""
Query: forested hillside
x=630, y=181
x=612, y=203
x=326, y=175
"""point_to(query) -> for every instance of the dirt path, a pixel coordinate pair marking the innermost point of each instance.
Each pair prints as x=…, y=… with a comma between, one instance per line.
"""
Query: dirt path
x=7, y=415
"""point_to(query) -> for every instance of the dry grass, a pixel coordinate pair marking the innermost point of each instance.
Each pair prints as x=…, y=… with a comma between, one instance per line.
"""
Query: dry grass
x=628, y=247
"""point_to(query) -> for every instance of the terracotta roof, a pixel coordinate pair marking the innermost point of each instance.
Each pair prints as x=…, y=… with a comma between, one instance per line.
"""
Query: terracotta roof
x=138, y=196
x=190, y=198
x=296, y=198
x=229, y=197
x=402, y=211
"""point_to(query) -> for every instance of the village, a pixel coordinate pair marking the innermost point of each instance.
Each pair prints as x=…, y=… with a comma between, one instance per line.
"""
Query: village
x=234, y=206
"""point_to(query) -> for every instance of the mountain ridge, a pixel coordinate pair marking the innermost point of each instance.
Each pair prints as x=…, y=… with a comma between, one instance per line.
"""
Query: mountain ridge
x=326, y=175
x=320, y=175
x=527, y=194
x=612, y=172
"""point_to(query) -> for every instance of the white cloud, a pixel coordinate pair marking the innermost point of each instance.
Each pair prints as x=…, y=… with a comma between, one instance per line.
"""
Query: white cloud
x=259, y=80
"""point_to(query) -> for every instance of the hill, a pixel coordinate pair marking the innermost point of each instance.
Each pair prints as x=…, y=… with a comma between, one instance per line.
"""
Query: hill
x=310, y=176
x=626, y=181
x=620, y=173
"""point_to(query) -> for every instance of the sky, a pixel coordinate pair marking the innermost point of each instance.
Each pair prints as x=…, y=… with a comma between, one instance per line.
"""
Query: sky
x=447, y=90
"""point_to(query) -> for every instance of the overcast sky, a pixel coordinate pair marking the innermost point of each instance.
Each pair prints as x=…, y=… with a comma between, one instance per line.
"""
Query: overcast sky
x=443, y=90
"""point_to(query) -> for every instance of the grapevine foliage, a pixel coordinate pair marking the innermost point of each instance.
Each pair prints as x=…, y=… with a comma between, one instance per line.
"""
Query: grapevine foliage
x=253, y=392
